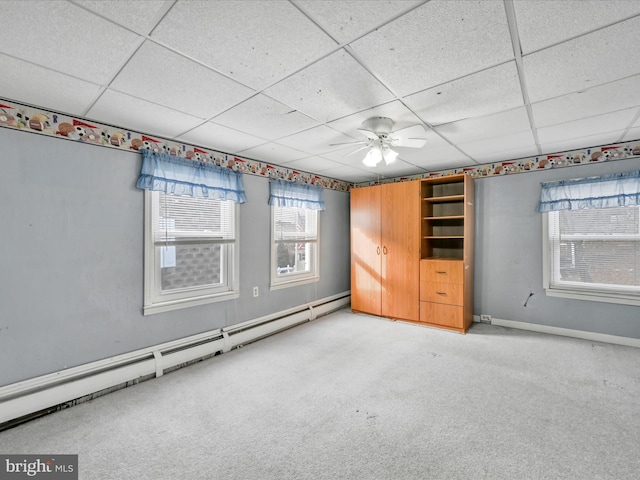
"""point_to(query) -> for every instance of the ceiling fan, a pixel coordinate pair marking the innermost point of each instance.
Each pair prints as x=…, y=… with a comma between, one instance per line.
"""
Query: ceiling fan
x=381, y=138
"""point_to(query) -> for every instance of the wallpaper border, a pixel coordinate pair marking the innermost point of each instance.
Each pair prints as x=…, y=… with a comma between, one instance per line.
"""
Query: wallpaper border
x=19, y=116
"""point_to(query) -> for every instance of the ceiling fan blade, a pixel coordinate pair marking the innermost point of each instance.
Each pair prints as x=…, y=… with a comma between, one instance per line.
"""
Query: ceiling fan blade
x=355, y=142
x=369, y=134
x=356, y=151
x=412, y=137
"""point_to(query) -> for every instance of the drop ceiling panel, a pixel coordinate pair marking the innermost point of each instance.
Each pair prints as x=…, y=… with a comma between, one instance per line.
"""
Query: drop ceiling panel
x=186, y=86
x=273, y=153
x=489, y=91
x=331, y=88
x=601, y=99
x=588, y=126
x=255, y=42
x=346, y=20
x=544, y=23
x=520, y=144
x=603, y=56
x=138, y=16
x=478, y=128
x=436, y=43
x=65, y=38
x=25, y=82
x=582, y=142
x=218, y=137
x=352, y=174
x=401, y=115
x=129, y=112
x=317, y=139
x=632, y=134
x=430, y=155
x=313, y=164
x=265, y=118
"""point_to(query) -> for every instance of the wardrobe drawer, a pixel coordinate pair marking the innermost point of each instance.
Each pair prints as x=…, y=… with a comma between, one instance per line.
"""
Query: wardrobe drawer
x=442, y=271
x=441, y=314
x=448, y=293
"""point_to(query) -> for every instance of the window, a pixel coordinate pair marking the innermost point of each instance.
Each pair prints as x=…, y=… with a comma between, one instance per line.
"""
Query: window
x=191, y=252
x=294, y=246
x=592, y=238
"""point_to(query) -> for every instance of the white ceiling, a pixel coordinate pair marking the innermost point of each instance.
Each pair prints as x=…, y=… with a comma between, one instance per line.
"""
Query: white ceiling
x=280, y=80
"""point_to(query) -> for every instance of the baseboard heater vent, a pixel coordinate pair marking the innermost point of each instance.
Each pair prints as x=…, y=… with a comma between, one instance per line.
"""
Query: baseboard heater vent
x=29, y=399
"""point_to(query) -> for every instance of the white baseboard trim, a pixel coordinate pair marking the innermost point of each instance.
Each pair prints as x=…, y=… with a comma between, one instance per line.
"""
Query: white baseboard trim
x=26, y=398
x=567, y=332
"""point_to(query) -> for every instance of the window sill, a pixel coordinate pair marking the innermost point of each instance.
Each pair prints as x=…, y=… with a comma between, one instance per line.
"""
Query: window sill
x=294, y=283
x=593, y=296
x=160, y=307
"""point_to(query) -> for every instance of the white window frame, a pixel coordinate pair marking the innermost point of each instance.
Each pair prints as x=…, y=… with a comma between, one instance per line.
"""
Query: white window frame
x=293, y=279
x=155, y=301
x=578, y=290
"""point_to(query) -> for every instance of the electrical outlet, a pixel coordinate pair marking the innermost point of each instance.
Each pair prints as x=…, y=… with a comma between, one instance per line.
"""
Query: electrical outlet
x=255, y=291
x=485, y=318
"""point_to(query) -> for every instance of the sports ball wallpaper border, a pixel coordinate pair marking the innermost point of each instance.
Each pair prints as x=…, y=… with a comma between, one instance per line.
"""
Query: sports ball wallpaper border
x=46, y=122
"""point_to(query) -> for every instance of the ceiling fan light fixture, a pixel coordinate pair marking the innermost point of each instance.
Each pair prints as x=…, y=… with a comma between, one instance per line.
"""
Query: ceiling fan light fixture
x=372, y=158
x=389, y=155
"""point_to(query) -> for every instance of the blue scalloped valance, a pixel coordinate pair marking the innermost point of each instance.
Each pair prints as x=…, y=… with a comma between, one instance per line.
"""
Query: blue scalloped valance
x=178, y=176
x=615, y=190
x=289, y=194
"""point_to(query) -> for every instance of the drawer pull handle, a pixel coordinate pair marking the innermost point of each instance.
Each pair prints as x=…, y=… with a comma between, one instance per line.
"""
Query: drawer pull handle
x=378, y=250
x=440, y=272
x=442, y=293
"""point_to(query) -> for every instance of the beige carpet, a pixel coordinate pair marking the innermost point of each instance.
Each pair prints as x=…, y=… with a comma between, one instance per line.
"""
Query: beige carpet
x=358, y=397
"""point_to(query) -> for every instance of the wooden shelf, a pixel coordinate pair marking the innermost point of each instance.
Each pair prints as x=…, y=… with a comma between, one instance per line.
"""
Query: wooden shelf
x=444, y=217
x=448, y=198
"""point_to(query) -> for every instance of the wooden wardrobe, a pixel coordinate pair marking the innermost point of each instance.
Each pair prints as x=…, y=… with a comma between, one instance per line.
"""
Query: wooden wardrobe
x=412, y=251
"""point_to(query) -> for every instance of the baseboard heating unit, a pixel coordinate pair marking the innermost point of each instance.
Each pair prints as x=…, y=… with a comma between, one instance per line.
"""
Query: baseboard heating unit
x=22, y=401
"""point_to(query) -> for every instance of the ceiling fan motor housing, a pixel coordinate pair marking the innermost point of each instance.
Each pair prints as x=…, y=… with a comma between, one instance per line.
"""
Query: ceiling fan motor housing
x=378, y=125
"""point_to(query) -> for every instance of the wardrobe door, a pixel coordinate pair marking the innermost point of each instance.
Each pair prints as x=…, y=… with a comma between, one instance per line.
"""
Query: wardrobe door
x=366, y=250
x=401, y=250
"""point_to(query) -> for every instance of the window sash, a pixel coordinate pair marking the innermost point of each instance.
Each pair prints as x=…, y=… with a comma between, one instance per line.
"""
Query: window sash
x=555, y=261
x=157, y=299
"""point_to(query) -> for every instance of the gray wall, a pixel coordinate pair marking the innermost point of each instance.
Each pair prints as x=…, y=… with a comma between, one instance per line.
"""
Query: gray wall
x=508, y=249
x=71, y=258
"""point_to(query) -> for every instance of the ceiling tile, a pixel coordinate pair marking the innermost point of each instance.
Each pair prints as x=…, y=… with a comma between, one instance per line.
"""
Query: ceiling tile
x=268, y=39
x=129, y=112
x=140, y=17
x=313, y=164
x=401, y=115
x=436, y=43
x=351, y=174
x=265, y=118
x=45, y=32
x=587, y=61
x=345, y=21
x=317, y=139
x=489, y=126
x=431, y=155
x=28, y=83
x=544, y=23
x=480, y=149
x=273, y=153
x=221, y=138
x=186, y=86
x=398, y=168
x=489, y=91
x=331, y=88
x=587, y=126
x=601, y=99
x=582, y=142
x=632, y=134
